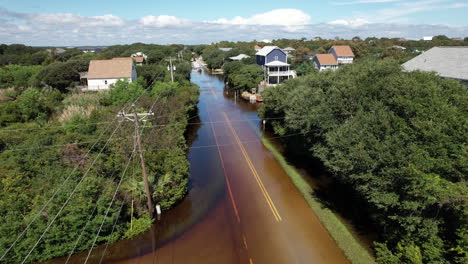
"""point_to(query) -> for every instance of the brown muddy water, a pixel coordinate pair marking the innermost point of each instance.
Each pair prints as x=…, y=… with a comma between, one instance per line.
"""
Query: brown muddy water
x=241, y=207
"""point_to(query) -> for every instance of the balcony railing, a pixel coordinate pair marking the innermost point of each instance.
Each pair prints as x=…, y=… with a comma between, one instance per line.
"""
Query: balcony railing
x=280, y=73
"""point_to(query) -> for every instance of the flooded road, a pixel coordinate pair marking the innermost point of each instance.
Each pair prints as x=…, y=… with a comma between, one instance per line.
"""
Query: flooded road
x=242, y=207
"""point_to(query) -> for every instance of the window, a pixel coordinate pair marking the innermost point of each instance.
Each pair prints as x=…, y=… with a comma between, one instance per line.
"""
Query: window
x=276, y=58
x=105, y=82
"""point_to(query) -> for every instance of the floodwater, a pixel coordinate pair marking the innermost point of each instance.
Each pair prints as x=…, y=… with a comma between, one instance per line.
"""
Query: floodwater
x=241, y=208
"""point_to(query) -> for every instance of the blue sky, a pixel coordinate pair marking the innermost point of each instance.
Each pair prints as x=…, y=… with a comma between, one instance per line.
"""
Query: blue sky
x=320, y=11
x=36, y=22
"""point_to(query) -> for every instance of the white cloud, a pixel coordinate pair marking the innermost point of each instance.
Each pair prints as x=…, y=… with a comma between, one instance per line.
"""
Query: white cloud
x=278, y=17
x=365, y=2
x=49, y=29
x=349, y=23
x=77, y=20
x=162, y=21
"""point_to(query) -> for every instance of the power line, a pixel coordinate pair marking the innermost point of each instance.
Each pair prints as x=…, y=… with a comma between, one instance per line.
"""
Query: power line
x=53, y=196
x=110, y=205
x=62, y=185
x=60, y=145
x=56, y=192
x=87, y=223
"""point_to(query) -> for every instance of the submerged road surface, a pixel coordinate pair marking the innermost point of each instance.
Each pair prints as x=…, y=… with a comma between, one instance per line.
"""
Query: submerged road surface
x=242, y=207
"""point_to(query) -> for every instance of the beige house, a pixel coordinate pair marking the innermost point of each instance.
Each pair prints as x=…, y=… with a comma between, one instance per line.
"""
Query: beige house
x=103, y=73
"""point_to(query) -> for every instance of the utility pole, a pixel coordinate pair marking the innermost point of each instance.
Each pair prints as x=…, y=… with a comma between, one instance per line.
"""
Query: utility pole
x=135, y=117
x=171, y=68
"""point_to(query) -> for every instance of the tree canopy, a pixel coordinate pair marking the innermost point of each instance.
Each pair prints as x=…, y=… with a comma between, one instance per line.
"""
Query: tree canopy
x=397, y=141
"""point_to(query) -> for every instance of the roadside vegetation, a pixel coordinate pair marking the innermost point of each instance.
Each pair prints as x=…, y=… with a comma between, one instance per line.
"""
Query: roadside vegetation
x=393, y=143
x=49, y=130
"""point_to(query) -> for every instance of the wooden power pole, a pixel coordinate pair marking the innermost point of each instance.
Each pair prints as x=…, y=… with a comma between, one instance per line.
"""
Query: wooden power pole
x=136, y=118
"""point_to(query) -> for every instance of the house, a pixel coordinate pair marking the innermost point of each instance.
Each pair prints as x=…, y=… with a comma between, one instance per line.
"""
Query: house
x=139, y=54
x=139, y=58
x=257, y=47
x=429, y=38
x=325, y=61
x=56, y=51
x=288, y=50
x=457, y=39
x=90, y=49
x=239, y=57
x=275, y=62
x=102, y=73
x=342, y=53
x=225, y=49
x=447, y=62
x=399, y=47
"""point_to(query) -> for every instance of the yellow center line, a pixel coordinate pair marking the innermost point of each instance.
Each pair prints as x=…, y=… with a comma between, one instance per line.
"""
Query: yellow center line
x=254, y=171
x=245, y=242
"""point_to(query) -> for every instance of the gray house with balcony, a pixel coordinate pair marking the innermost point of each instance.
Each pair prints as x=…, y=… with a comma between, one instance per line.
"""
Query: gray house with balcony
x=275, y=63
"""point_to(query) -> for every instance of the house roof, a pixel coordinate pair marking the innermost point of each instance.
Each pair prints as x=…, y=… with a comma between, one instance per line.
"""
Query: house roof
x=326, y=59
x=289, y=49
x=239, y=57
x=257, y=47
x=225, y=49
x=448, y=62
x=343, y=50
x=266, y=50
x=277, y=64
x=115, y=68
x=138, y=59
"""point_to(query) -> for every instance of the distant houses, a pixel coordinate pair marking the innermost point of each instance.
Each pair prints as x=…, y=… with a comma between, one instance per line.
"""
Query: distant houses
x=225, y=49
x=447, y=62
x=342, y=53
x=289, y=50
x=325, y=61
x=428, y=38
x=102, y=73
x=139, y=58
x=337, y=55
x=239, y=57
x=275, y=62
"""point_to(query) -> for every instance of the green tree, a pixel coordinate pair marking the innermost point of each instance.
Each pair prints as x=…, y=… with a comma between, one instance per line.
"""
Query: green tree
x=395, y=139
x=123, y=92
x=249, y=76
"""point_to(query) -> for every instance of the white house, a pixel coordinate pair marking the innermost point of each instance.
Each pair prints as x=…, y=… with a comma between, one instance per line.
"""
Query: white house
x=275, y=62
x=103, y=73
x=447, y=62
x=342, y=53
x=239, y=57
x=428, y=38
x=325, y=61
x=288, y=50
x=139, y=58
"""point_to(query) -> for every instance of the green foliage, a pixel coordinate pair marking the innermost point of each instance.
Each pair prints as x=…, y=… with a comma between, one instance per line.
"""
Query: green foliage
x=31, y=105
x=139, y=226
x=18, y=76
x=10, y=113
x=62, y=75
x=214, y=57
x=123, y=92
x=395, y=139
x=242, y=76
x=304, y=68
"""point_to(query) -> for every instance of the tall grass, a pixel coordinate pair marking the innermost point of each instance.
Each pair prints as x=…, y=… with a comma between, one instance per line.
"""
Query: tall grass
x=345, y=239
x=73, y=110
